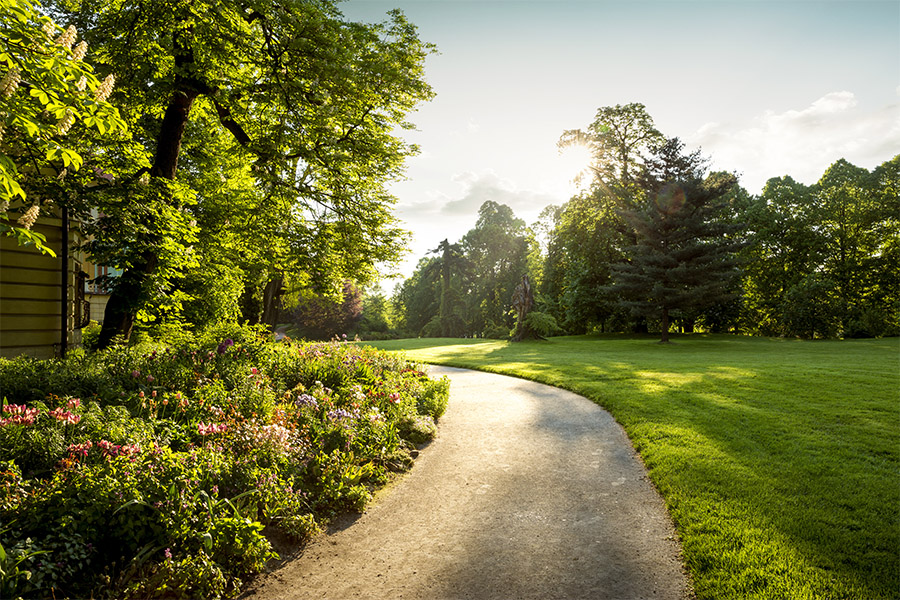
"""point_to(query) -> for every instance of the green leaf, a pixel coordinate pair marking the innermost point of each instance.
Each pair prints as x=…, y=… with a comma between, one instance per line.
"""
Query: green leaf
x=31, y=128
x=41, y=95
x=71, y=158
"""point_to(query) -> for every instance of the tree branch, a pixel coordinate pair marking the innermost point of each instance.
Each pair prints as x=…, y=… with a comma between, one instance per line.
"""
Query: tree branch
x=230, y=124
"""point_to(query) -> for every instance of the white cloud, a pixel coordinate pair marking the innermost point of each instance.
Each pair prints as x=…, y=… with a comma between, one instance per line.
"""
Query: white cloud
x=803, y=143
x=451, y=214
x=475, y=190
x=479, y=188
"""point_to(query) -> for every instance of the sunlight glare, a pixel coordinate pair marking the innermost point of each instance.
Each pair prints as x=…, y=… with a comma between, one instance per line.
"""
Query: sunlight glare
x=574, y=163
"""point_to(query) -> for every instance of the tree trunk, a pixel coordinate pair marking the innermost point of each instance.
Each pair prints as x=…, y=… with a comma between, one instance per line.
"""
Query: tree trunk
x=122, y=307
x=250, y=308
x=523, y=301
x=125, y=299
x=274, y=290
x=665, y=327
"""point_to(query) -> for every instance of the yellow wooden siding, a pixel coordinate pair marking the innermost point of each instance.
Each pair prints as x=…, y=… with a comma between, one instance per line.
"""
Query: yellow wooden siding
x=28, y=322
x=10, y=274
x=30, y=295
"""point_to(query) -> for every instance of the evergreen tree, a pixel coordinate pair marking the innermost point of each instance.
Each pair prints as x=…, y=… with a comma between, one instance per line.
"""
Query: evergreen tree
x=684, y=257
x=451, y=261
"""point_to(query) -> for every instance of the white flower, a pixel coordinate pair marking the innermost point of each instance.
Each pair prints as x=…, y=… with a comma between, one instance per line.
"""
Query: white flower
x=30, y=216
x=105, y=88
x=80, y=51
x=67, y=37
x=4, y=206
x=67, y=122
x=82, y=83
x=10, y=82
x=48, y=28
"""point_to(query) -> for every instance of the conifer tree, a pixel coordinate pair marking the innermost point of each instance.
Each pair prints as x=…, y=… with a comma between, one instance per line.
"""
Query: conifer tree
x=684, y=255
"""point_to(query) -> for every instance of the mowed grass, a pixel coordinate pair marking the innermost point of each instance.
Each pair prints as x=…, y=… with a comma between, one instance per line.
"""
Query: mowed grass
x=779, y=460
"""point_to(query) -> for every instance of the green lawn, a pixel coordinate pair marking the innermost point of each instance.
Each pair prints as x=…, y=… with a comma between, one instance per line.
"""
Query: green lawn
x=779, y=460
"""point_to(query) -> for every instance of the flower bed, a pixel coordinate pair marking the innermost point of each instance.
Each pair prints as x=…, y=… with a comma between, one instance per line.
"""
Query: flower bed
x=159, y=470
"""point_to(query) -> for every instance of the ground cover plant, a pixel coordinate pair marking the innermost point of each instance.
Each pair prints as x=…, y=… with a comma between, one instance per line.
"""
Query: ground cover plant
x=778, y=459
x=163, y=469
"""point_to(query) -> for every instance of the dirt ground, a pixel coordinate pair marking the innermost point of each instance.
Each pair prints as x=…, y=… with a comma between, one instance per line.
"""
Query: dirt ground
x=528, y=491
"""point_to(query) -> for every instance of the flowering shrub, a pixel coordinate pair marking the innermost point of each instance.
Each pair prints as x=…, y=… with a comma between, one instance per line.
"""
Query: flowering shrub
x=155, y=470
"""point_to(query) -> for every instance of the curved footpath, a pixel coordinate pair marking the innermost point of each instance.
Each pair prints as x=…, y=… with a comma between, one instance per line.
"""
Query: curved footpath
x=528, y=491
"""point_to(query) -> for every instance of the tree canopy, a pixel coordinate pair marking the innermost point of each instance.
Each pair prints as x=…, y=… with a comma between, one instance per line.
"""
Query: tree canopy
x=271, y=128
x=659, y=243
x=50, y=103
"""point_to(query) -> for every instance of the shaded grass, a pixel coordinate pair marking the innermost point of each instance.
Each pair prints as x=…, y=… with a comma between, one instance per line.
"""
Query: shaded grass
x=779, y=460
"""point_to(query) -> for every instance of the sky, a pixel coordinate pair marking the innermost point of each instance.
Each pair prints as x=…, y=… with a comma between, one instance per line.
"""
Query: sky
x=764, y=89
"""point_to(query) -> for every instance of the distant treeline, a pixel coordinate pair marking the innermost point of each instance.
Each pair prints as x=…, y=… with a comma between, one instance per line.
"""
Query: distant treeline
x=658, y=243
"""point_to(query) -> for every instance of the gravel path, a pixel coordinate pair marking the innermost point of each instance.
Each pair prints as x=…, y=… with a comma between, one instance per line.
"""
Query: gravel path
x=528, y=491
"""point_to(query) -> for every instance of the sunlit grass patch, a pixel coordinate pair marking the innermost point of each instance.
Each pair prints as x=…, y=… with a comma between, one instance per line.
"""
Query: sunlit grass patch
x=779, y=460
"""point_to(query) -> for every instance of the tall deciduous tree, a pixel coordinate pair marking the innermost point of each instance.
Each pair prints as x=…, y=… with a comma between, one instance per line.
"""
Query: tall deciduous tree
x=785, y=248
x=620, y=138
x=587, y=241
x=684, y=255
x=855, y=222
x=308, y=102
x=497, y=248
x=417, y=299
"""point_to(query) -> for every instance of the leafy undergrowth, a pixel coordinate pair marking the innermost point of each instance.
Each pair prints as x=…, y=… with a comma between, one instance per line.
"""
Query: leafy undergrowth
x=162, y=470
x=778, y=459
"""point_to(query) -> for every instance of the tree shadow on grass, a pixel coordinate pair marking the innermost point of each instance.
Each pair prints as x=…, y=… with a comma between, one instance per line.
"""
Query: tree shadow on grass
x=773, y=475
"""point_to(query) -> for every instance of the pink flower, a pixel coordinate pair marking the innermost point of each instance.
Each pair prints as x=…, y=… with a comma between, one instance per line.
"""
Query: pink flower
x=19, y=414
x=131, y=449
x=65, y=416
x=135, y=373
x=204, y=429
x=254, y=370
x=74, y=403
x=81, y=449
x=150, y=378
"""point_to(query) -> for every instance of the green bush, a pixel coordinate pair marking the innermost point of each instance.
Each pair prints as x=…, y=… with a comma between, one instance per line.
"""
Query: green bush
x=155, y=470
x=418, y=429
x=90, y=335
x=543, y=324
x=432, y=400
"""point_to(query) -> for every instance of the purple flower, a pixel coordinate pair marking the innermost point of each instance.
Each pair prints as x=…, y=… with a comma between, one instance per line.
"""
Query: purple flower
x=306, y=400
x=340, y=414
x=225, y=345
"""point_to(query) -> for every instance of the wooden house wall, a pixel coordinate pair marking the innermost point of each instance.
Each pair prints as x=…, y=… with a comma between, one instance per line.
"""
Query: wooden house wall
x=30, y=295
